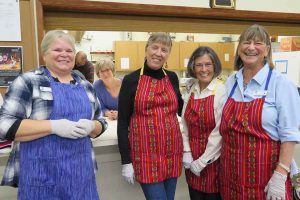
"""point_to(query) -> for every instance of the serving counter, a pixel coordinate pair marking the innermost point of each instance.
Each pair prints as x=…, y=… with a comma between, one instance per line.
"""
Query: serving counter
x=109, y=137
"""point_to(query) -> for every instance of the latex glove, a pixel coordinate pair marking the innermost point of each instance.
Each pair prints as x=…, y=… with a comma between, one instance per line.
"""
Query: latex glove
x=128, y=173
x=187, y=160
x=66, y=128
x=197, y=166
x=87, y=125
x=275, y=188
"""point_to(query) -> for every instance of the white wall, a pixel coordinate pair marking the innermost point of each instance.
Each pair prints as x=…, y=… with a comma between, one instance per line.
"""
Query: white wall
x=288, y=6
x=98, y=41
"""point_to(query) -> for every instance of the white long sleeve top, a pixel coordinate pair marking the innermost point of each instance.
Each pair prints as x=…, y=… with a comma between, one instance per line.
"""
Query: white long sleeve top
x=213, y=147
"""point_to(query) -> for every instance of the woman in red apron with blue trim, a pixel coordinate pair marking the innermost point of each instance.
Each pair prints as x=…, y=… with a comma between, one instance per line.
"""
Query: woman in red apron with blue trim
x=259, y=124
x=149, y=136
x=202, y=116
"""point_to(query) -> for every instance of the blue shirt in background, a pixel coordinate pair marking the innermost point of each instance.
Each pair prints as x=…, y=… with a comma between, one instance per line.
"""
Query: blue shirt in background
x=107, y=101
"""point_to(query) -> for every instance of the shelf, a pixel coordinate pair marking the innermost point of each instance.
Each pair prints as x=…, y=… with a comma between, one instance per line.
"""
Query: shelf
x=102, y=52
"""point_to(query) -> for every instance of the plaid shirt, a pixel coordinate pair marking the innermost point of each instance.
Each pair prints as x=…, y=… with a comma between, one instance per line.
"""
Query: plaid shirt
x=30, y=97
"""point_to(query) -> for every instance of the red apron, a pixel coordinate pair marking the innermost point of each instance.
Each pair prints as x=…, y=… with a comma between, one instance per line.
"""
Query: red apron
x=200, y=120
x=248, y=156
x=155, y=137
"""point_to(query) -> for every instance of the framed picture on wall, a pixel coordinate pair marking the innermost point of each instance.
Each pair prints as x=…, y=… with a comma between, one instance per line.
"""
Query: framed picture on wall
x=222, y=4
x=11, y=64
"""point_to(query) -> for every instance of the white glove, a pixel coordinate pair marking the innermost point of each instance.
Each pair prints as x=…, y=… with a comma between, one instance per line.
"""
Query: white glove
x=66, y=128
x=276, y=186
x=87, y=125
x=197, y=166
x=187, y=160
x=128, y=173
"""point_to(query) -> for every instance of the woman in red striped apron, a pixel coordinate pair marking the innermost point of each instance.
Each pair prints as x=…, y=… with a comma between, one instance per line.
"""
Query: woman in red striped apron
x=259, y=124
x=149, y=136
x=201, y=120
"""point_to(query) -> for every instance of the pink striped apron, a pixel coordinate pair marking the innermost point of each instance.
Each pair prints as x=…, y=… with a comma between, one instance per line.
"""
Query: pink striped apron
x=155, y=137
x=248, y=156
x=200, y=120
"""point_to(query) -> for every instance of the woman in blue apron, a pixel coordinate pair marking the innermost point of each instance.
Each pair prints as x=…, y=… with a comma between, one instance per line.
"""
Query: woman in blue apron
x=53, y=113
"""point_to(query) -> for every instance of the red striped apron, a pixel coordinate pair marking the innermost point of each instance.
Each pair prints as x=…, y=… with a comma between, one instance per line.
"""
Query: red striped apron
x=200, y=120
x=155, y=137
x=248, y=156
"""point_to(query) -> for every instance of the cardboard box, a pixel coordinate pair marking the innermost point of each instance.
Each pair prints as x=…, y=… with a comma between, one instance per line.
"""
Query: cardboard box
x=290, y=44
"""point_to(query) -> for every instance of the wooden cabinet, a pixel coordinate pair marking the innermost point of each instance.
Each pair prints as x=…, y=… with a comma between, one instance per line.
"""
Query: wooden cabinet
x=141, y=53
x=226, y=55
x=185, y=51
x=126, y=55
x=130, y=55
x=225, y=52
x=213, y=45
x=173, y=60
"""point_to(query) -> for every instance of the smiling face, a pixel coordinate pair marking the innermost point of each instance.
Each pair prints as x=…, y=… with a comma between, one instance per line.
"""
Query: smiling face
x=253, y=53
x=204, y=70
x=157, y=54
x=59, y=57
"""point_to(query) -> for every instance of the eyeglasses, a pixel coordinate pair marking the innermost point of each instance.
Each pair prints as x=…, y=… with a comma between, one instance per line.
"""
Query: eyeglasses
x=104, y=71
x=202, y=65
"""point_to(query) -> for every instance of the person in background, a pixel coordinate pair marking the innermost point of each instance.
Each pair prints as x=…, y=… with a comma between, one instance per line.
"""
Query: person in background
x=53, y=113
x=259, y=124
x=107, y=88
x=149, y=136
x=201, y=119
x=84, y=66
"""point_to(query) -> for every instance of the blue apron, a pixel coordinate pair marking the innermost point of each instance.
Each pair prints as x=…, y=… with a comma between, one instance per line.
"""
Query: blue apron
x=59, y=168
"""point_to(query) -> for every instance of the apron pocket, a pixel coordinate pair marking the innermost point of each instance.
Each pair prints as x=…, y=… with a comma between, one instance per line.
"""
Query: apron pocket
x=39, y=172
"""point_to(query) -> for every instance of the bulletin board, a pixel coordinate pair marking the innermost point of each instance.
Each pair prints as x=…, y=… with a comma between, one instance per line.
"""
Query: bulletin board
x=28, y=38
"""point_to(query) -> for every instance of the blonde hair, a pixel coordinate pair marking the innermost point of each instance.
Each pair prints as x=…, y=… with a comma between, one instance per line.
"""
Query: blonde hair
x=256, y=33
x=106, y=62
x=52, y=36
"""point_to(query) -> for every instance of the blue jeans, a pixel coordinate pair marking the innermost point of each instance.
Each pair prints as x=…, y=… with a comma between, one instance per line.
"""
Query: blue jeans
x=164, y=190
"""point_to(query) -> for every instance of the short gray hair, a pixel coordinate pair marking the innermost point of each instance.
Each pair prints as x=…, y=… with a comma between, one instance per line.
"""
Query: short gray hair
x=160, y=37
x=106, y=62
x=52, y=36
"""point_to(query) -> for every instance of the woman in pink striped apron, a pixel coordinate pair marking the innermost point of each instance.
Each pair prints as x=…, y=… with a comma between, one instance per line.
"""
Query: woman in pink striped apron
x=149, y=136
x=201, y=120
x=259, y=124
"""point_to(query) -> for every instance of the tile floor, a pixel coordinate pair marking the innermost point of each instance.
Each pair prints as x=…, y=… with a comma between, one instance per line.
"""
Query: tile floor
x=111, y=185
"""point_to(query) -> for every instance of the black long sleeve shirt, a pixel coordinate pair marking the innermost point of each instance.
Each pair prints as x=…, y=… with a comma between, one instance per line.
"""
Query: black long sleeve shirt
x=126, y=104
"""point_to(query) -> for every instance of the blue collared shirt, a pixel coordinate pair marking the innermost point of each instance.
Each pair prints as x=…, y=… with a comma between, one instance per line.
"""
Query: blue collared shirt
x=281, y=110
x=30, y=97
